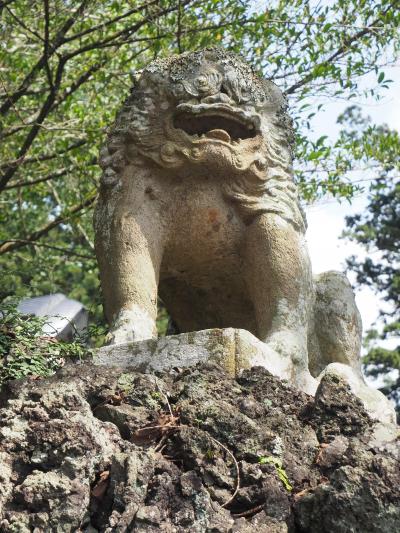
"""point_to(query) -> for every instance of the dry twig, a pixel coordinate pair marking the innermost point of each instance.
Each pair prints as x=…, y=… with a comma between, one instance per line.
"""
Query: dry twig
x=249, y=512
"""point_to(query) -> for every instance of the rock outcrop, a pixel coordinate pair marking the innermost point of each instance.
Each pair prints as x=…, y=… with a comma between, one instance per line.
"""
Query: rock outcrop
x=111, y=449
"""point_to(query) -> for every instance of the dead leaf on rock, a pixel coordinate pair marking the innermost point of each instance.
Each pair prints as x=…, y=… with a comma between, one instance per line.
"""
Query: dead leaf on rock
x=322, y=447
x=167, y=420
x=116, y=399
x=99, y=490
x=164, y=424
x=112, y=399
x=302, y=493
x=49, y=339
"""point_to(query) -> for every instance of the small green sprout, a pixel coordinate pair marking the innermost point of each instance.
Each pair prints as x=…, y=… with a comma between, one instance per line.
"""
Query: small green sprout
x=156, y=395
x=277, y=463
x=209, y=455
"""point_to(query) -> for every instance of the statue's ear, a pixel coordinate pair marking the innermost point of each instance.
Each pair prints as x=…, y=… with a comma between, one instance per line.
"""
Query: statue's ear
x=275, y=97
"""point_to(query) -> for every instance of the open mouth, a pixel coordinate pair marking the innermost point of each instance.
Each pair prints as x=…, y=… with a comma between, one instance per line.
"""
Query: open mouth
x=214, y=125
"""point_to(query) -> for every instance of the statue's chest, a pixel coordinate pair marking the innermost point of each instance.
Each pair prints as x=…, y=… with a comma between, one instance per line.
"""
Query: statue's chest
x=204, y=227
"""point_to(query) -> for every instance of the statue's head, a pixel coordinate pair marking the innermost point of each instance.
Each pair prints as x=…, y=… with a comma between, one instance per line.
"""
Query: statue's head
x=208, y=112
x=202, y=108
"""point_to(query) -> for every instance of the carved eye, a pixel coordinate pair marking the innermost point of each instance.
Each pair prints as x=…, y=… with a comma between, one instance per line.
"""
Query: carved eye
x=179, y=89
x=184, y=91
x=245, y=94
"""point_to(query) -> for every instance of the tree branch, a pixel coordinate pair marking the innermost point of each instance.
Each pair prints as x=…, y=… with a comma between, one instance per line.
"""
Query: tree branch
x=54, y=175
x=47, y=43
x=5, y=3
x=376, y=24
x=5, y=178
x=109, y=22
x=75, y=223
x=13, y=98
x=126, y=32
x=179, y=28
x=80, y=81
x=45, y=157
x=23, y=25
x=14, y=244
x=24, y=242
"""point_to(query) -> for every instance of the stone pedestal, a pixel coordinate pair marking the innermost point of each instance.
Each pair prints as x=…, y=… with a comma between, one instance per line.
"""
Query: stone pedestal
x=233, y=349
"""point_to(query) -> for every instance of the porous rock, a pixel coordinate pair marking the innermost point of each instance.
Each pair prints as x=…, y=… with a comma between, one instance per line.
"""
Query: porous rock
x=104, y=449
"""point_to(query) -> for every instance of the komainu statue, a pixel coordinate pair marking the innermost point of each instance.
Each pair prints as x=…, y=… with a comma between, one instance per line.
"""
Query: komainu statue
x=198, y=205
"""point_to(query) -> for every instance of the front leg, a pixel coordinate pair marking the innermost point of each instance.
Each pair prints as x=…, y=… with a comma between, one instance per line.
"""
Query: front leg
x=279, y=279
x=129, y=251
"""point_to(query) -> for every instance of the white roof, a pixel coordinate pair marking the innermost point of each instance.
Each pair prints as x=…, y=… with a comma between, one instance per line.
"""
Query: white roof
x=60, y=311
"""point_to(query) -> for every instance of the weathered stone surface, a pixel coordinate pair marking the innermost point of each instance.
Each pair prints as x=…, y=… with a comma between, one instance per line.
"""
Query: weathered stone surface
x=96, y=449
x=232, y=349
x=374, y=402
x=338, y=325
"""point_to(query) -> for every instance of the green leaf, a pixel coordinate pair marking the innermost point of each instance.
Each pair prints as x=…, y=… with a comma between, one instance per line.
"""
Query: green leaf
x=277, y=463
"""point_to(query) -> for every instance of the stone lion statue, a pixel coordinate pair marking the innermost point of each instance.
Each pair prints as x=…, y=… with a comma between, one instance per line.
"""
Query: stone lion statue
x=198, y=205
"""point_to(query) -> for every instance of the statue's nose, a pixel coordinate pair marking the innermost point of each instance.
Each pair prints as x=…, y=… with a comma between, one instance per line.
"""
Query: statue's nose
x=209, y=85
x=208, y=81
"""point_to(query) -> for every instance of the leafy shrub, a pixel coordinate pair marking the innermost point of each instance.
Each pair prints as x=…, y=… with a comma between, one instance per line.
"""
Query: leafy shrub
x=25, y=350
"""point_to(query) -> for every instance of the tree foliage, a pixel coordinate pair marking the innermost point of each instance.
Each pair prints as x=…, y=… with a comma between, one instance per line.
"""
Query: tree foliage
x=66, y=66
x=377, y=229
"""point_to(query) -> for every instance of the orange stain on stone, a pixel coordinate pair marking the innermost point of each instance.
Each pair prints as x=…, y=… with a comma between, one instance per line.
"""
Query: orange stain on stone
x=213, y=219
x=213, y=215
